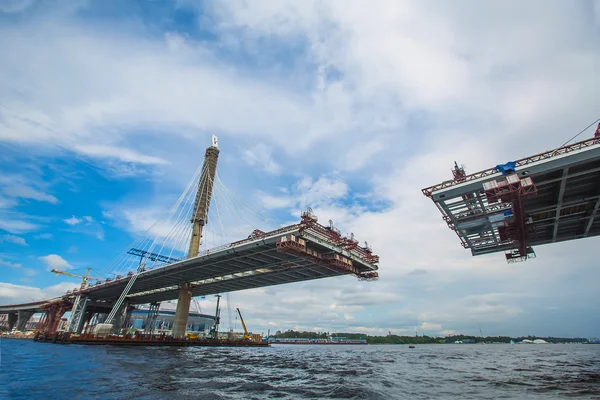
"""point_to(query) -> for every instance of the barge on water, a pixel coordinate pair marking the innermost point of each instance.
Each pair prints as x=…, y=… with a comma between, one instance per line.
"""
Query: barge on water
x=141, y=340
x=333, y=340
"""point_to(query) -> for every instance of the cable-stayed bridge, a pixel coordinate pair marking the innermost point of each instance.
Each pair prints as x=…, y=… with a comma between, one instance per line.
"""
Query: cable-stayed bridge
x=197, y=250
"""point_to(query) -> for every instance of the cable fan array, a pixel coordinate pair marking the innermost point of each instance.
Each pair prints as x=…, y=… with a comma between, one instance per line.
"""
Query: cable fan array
x=229, y=219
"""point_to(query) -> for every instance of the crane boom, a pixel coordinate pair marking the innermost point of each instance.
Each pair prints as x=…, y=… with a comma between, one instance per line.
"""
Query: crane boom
x=246, y=335
x=85, y=277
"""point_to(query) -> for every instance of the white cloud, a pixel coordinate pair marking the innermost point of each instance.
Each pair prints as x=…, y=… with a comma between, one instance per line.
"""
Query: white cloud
x=429, y=326
x=17, y=225
x=54, y=261
x=121, y=154
x=15, y=6
x=270, y=202
x=27, y=192
x=200, y=96
x=147, y=219
x=14, y=294
x=44, y=236
x=10, y=264
x=308, y=193
x=13, y=239
x=6, y=202
x=29, y=272
x=323, y=190
x=85, y=225
x=261, y=157
x=73, y=220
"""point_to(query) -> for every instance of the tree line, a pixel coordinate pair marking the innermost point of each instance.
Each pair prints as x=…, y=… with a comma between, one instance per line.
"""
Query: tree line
x=423, y=339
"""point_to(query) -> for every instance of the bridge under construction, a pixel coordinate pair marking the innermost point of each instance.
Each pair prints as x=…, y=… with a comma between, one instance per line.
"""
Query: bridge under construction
x=545, y=198
x=299, y=252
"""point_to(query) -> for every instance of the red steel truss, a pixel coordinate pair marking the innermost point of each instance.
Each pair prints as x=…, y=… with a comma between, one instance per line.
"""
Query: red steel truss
x=513, y=190
x=51, y=318
x=336, y=262
x=309, y=223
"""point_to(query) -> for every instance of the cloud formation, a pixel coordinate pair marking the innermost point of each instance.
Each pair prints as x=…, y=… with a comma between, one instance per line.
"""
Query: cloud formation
x=13, y=239
x=54, y=261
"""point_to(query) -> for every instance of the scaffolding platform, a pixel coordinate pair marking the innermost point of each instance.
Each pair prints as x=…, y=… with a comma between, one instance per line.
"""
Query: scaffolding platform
x=546, y=198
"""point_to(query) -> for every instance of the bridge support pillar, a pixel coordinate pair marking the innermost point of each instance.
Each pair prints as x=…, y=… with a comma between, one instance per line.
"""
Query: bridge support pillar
x=23, y=318
x=80, y=321
x=153, y=312
x=12, y=320
x=127, y=321
x=87, y=317
x=41, y=325
x=120, y=318
x=52, y=318
x=183, y=310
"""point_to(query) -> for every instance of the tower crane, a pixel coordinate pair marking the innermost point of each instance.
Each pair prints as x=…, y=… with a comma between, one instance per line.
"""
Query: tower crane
x=85, y=277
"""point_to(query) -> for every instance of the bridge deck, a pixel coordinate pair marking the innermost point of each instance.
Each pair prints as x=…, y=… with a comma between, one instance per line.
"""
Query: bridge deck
x=250, y=263
x=565, y=207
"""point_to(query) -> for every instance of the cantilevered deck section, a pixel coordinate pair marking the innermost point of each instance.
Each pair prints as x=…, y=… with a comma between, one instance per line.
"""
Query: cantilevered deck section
x=546, y=198
x=295, y=253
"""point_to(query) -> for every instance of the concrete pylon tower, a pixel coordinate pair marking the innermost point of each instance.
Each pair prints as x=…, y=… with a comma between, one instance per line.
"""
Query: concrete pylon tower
x=199, y=217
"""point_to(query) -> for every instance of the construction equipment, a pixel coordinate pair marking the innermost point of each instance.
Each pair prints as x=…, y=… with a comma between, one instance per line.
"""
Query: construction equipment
x=85, y=277
x=214, y=332
x=75, y=321
x=229, y=315
x=246, y=334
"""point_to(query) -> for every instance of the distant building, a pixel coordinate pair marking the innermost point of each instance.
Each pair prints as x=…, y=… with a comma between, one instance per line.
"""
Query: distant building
x=197, y=322
x=29, y=326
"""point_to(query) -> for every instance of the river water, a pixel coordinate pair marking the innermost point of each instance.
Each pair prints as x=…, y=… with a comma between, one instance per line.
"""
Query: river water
x=31, y=370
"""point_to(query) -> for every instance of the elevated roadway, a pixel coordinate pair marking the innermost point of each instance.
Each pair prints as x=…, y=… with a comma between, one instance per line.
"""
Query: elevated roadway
x=264, y=259
x=561, y=204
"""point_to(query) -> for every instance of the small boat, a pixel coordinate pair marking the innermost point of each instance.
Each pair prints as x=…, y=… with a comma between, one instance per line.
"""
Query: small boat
x=411, y=347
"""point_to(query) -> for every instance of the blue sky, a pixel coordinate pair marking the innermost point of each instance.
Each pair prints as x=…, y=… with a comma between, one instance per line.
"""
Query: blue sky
x=106, y=109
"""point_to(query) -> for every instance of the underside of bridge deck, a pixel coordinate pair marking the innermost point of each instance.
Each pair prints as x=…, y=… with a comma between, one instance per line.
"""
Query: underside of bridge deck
x=561, y=203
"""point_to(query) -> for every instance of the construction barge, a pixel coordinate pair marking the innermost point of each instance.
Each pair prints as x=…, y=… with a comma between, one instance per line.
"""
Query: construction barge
x=329, y=341
x=141, y=340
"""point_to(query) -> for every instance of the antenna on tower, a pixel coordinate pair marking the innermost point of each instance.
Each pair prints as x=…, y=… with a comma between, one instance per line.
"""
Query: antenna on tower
x=215, y=142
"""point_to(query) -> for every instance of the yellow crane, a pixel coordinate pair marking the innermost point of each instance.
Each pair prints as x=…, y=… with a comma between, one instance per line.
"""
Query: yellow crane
x=246, y=334
x=85, y=277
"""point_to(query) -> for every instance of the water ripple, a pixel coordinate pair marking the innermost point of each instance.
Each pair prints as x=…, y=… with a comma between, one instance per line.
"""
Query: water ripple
x=38, y=370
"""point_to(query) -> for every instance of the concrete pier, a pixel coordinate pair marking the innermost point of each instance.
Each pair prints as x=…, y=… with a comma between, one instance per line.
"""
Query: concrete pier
x=183, y=310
